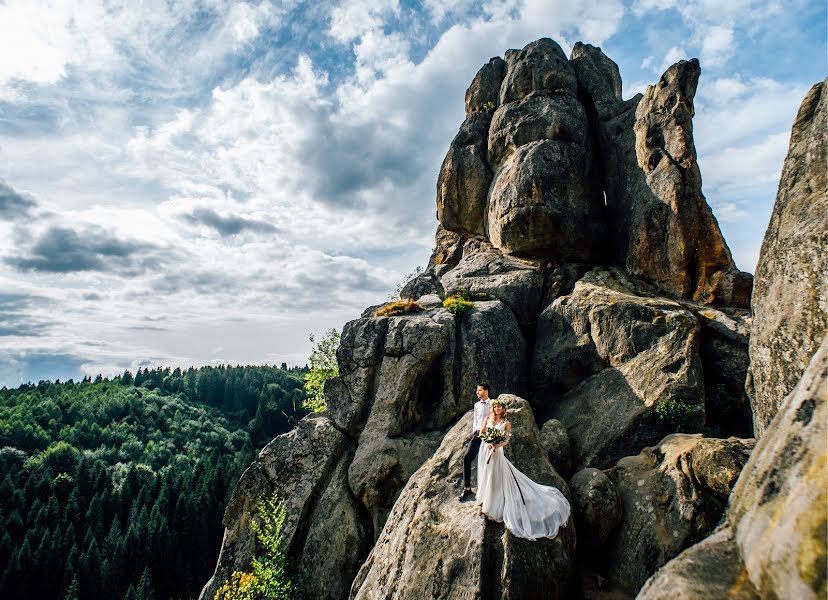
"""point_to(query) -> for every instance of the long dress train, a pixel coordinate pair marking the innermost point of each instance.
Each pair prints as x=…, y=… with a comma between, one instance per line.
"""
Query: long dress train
x=528, y=509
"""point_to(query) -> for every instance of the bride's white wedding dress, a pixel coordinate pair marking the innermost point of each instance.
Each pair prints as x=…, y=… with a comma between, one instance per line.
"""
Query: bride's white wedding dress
x=528, y=509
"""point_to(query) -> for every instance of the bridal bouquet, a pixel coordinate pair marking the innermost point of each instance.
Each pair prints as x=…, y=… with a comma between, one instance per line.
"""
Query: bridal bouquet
x=493, y=436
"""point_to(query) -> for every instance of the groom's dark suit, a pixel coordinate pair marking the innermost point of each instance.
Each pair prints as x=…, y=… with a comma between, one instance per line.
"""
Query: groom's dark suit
x=481, y=411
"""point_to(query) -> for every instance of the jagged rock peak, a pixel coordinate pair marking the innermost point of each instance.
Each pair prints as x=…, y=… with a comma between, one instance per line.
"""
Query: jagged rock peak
x=560, y=167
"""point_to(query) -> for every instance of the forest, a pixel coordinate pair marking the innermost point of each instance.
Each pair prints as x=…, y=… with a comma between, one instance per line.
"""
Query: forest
x=115, y=488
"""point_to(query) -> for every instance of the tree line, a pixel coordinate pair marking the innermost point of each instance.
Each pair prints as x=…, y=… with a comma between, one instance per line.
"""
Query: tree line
x=115, y=488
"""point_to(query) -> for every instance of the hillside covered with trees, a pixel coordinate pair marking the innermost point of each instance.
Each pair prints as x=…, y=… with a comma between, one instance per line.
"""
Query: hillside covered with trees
x=116, y=488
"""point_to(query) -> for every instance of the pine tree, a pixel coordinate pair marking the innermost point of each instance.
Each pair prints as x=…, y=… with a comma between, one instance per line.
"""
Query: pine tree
x=72, y=590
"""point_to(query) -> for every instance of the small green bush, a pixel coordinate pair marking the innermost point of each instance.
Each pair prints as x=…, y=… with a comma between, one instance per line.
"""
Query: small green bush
x=458, y=303
x=675, y=412
x=402, y=307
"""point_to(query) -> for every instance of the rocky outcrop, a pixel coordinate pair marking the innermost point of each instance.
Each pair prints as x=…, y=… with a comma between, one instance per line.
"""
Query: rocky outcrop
x=673, y=495
x=663, y=229
x=434, y=547
x=608, y=358
x=773, y=542
x=779, y=508
x=556, y=442
x=484, y=271
x=326, y=531
x=543, y=200
x=790, y=304
x=605, y=295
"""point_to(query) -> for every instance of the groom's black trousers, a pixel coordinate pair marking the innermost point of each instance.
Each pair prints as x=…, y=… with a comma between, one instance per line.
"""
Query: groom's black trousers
x=471, y=453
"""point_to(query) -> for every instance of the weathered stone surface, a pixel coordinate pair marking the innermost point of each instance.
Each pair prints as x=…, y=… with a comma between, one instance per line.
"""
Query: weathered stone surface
x=545, y=199
x=484, y=270
x=413, y=393
x=465, y=176
x=597, y=507
x=561, y=281
x=540, y=66
x=485, y=87
x=307, y=468
x=673, y=494
x=598, y=76
x=492, y=349
x=710, y=569
x=725, y=360
x=534, y=118
x=773, y=542
x=360, y=352
x=556, y=442
x=424, y=284
x=779, y=507
x=790, y=304
x=543, y=202
x=435, y=547
x=606, y=358
x=663, y=228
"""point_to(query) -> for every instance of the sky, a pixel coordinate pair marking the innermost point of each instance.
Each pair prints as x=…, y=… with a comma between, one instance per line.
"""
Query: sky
x=204, y=182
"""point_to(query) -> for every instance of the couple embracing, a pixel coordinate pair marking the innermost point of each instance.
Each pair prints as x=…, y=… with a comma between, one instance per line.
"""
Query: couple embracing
x=528, y=509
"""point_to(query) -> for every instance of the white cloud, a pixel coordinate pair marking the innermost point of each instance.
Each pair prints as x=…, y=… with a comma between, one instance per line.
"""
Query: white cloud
x=717, y=46
x=352, y=19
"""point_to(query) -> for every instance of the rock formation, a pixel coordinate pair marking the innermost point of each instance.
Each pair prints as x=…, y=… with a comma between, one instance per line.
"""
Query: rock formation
x=773, y=542
x=605, y=295
x=790, y=307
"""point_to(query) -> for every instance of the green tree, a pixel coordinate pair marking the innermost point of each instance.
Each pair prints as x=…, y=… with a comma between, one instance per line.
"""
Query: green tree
x=269, y=578
x=323, y=366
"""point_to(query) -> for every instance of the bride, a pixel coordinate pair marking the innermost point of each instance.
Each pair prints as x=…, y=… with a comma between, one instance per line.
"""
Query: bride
x=528, y=509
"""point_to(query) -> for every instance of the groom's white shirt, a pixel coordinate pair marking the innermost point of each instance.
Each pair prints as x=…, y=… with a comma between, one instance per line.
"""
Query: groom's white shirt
x=482, y=408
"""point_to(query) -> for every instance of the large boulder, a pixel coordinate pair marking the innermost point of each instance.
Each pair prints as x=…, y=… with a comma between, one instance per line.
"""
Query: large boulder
x=619, y=369
x=349, y=395
x=326, y=531
x=710, y=569
x=465, y=176
x=773, y=542
x=429, y=368
x=484, y=90
x=597, y=507
x=673, y=495
x=545, y=199
x=664, y=229
x=790, y=302
x=491, y=349
x=432, y=546
x=541, y=66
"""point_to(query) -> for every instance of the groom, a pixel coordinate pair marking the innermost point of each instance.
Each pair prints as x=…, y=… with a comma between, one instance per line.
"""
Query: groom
x=481, y=410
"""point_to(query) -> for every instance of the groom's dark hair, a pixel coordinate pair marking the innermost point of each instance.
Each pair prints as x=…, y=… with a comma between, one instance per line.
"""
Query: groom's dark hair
x=485, y=386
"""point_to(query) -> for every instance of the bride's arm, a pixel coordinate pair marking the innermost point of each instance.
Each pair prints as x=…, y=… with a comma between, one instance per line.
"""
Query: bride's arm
x=508, y=434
